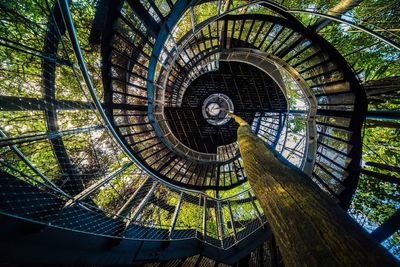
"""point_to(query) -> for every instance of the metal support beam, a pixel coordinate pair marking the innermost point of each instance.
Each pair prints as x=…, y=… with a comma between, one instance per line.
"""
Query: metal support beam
x=233, y=221
x=281, y=124
x=383, y=114
x=259, y=216
x=49, y=135
x=204, y=218
x=16, y=103
x=388, y=228
x=192, y=18
x=88, y=191
x=142, y=204
x=381, y=176
x=175, y=216
x=125, y=208
x=220, y=219
x=383, y=166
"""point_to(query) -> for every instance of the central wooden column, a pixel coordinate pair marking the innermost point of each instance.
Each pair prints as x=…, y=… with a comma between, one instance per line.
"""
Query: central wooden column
x=309, y=227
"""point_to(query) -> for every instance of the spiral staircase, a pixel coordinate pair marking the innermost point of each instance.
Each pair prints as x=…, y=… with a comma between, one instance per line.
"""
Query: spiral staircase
x=116, y=147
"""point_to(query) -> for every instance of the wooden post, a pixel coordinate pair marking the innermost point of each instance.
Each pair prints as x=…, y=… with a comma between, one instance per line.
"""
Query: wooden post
x=309, y=227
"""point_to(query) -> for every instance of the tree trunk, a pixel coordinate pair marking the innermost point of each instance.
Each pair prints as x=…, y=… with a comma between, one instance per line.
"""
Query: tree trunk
x=309, y=227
